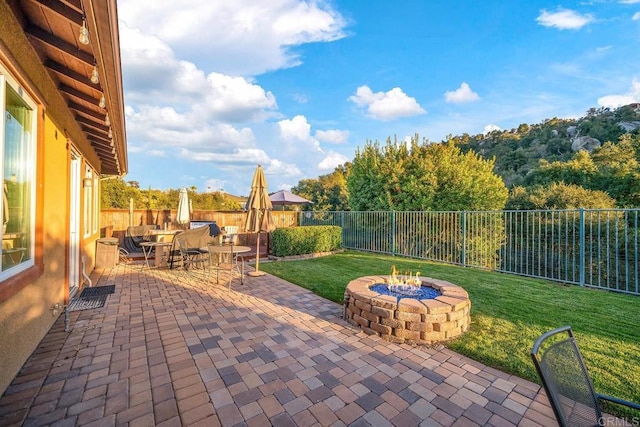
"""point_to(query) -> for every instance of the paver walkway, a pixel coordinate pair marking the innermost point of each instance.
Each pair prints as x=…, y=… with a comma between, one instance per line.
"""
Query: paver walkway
x=166, y=350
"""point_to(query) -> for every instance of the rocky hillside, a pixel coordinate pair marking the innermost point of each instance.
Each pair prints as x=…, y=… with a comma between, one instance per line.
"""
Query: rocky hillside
x=518, y=151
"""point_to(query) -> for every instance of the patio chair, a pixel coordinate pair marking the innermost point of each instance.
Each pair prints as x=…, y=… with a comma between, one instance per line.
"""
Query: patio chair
x=230, y=234
x=191, y=256
x=226, y=258
x=195, y=239
x=566, y=381
x=135, y=235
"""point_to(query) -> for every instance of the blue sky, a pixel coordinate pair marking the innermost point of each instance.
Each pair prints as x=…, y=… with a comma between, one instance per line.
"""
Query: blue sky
x=214, y=88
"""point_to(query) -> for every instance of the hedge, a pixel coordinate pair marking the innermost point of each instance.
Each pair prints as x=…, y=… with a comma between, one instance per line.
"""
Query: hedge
x=305, y=240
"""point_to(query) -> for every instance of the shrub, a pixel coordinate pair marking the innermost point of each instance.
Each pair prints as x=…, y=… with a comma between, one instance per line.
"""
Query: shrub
x=305, y=240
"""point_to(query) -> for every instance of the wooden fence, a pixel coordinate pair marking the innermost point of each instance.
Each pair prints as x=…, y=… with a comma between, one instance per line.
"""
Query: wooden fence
x=114, y=222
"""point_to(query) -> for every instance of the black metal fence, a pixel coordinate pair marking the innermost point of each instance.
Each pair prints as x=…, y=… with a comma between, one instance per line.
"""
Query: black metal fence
x=587, y=247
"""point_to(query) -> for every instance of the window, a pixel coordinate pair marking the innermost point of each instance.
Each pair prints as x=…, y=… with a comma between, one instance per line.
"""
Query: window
x=17, y=164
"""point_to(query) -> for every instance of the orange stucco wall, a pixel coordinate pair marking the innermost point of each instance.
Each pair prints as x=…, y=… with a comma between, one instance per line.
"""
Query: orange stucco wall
x=27, y=316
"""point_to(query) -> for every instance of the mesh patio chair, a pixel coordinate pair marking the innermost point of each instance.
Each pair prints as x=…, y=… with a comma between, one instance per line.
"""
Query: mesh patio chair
x=228, y=261
x=191, y=256
x=566, y=381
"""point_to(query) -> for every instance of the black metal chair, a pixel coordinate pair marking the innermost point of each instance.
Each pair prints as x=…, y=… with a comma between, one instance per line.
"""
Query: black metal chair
x=566, y=381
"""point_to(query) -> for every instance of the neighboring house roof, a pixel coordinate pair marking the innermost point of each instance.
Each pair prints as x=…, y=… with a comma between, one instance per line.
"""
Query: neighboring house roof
x=52, y=28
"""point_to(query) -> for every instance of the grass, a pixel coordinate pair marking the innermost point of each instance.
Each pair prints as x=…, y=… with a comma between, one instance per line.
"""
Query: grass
x=508, y=313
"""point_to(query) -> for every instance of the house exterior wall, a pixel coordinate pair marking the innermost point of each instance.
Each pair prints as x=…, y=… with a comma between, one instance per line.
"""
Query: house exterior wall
x=26, y=316
x=28, y=298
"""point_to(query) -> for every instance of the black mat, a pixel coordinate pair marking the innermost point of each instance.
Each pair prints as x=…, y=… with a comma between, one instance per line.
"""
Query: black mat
x=91, y=298
x=86, y=303
x=98, y=290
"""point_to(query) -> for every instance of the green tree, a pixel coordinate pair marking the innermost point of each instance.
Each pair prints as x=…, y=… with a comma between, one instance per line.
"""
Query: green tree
x=327, y=192
x=414, y=176
x=579, y=171
x=611, y=168
x=558, y=196
x=115, y=194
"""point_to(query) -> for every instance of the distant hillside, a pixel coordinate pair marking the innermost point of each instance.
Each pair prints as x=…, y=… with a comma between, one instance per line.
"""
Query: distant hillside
x=518, y=151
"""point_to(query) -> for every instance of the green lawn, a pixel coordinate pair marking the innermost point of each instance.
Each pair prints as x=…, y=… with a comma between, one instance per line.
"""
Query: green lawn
x=508, y=313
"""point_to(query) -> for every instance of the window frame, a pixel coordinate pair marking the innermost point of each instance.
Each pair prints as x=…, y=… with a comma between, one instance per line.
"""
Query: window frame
x=87, y=183
x=21, y=275
x=7, y=80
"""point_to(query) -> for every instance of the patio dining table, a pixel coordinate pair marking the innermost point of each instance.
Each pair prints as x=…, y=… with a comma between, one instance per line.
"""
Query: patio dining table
x=226, y=254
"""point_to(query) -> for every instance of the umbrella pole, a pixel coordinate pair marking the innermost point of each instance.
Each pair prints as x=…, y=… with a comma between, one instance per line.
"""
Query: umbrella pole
x=257, y=272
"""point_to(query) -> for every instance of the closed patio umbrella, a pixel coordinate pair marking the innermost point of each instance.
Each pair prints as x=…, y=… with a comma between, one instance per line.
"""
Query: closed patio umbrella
x=183, y=216
x=259, y=213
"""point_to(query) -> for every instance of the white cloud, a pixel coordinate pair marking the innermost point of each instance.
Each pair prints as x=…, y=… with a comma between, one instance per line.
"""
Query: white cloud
x=629, y=1
x=235, y=99
x=158, y=127
x=282, y=169
x=614, y=101
x=333, y=136
x=386, y=105
x=461, y=95
x=490, y=128
x=299, y=143
x=152, y=72
x=154, y=76
x=563, y=19
x=243, y=37
x=331, y=161
x=636, y=16
x=296, y=128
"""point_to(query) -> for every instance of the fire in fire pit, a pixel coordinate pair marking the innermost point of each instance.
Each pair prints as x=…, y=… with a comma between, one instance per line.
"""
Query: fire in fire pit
x=405, y=286
x=389, y=306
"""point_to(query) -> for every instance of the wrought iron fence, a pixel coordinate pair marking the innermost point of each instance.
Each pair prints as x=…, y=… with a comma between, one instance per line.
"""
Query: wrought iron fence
x=587, y=247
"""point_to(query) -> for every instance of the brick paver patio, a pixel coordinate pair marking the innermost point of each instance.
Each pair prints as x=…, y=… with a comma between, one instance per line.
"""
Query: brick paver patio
x=168, y=350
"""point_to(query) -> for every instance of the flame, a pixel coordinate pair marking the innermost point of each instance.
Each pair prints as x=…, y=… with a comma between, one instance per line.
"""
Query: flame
x=408, y=279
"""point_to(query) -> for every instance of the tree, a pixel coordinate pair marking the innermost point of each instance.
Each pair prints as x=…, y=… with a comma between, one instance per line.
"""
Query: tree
x=558, y=196
x=579, y=171
x=116, y=194
x=611, y=168
x=327, y=192
x=413, y=176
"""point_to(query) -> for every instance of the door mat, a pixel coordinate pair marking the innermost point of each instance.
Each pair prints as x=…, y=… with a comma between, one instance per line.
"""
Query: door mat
x=91, y=298
x=98, y=290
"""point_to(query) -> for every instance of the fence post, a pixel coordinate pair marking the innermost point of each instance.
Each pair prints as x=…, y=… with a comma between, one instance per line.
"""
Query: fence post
x=463, y=261
x=582, y=243
x=130, y=211
x=393, y=233
x=342, y=226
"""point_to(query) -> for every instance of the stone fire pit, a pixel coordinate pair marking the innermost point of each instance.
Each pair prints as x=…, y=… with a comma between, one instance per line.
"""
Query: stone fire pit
x=404, y=319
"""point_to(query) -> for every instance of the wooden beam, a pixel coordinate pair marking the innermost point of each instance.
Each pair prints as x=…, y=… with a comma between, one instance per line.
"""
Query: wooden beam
x=76, y=4
x=103, y=139
x=104, y=150
x=80, y=78
x=75, y=93
x=70, y=14
x=108, y=160
x=91, y=123
x=92, y=133
x=61, y=45
x=87, y=111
